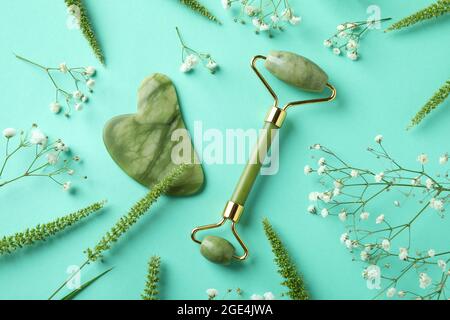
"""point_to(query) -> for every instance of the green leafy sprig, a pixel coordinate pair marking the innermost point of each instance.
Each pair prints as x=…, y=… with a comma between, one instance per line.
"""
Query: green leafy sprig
x=196, y=6
x=136, y=212
x=286, y=268
x=151, y=287
x=435, y=10
x=86, y=28
x=43, y=231
x=437, y=99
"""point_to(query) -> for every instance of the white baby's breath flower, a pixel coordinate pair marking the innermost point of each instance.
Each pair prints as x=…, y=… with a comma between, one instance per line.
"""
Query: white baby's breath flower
x=77, y=94
x=191, y=60
x=78, y=106
x=226, y=4
x=403, y=254
x=38, y=137
x=437, y=204
x=63, y=67
x=429, y=183
x=386, y=245
x=416, y=181
x=340, y=27
x=316, y=146
x=321, y=161
x=344, y=237
x=9, y=133
x=424, y=280
x=264, y=27
x=250, y=10
x=185, y=67
x=401, y=294
x=342, y=216
x=287, y=14
x=307, y=169
x=431, y=253
x=390, y=293
x=90, y=71
x=67, y=186
x=70, y=172
x=336, y=192
x=364, y=215
x=324, y=213
x=256, y=22
x=256, y=297
x=90, y=83
x=349, y=244
x=325, y=197
x=352, y=55
x=352, y=44
x=379, y=177
x=342, y=34
x=321, y=170
x=212, y=293
x=379, y=138
x=442, y=265
x=364, y=255
x=84, y=98
x=443, y=159
x=275, y=18
x=212, y=65
x=379, y=219
x=312, y=209
x=337, y=51
x=327, y=43
x=269, y=296
x=55, y=107
x=422, y=158
x=350, y=25
x=52, y=158
x=295, y=20
x=313, y=196
x=354, y=173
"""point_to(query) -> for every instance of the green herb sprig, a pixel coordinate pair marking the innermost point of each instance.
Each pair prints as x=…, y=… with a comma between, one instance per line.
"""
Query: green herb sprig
x=286, y=268
x=435, y=10
x=436, y=100
x=87, y=29
x=42, y=232
x=151, y=287
x=196, y=6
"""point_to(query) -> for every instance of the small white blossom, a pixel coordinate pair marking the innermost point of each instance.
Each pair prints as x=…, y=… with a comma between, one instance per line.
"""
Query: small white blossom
x=390, y=293
x=364, y=215
x=250, y=10
x=67, y=186
x=321, y=161
x=437, y=204
x=416, y=181
x=344, y=237
x=324, y=213
x=325, y=197
x=312, y=209
x=185, y=68
x=38, y=137
x=269, y=296
x=337, y=51
x=90, y=83
x=84, y=98
x=256, y=297
x=379, y=219
x=340, y=27
x=442, y=265
x=307, y=169
x=350, y=25
x=321, y=170
x=70, y=172
x=424, y=280
x=379, y=138
x=403, y=254
x=316, y=146
x=90, y=71
x=63, y=67
x=352, y=44
x=386, y=245
x=212, y=293
x=275, y=18
x=401, y=294
x=226, y=4
x=379, y=177
x=352, y=55
x=55, y=107
x=287, y=14
x=327, y=43
x=431, y=253
x=191, y=60
x=349, y=244
x=422, y=158
x=364, y=255
x=443, y=159
x=9, y=133
x=313, y=196
x=61, y=146
x=336, y=192
x=354, y=173
x=342, y=216
x=264, y=27
x=212, y=65
x=295, y=20
x=429, y=183
x=342, y=34
x=77, y=94
x=78, y=106
x=52, y=158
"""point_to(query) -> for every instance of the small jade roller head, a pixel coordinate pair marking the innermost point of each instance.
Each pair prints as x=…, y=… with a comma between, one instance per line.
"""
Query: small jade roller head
x=296, y=70
x=217, y=250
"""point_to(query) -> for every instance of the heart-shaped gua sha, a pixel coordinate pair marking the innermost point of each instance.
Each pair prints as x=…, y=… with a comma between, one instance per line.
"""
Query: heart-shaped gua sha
x=141, y=143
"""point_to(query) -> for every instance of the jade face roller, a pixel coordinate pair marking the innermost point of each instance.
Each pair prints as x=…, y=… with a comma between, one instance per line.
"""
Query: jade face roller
x=294, y=70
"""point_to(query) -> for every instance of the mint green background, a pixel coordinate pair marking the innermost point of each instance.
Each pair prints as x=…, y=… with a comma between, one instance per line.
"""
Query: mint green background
x=378, y=94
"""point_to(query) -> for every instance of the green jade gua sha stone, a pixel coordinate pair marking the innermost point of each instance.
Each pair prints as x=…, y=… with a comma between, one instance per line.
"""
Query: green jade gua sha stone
x=141, y=143
x=294, y=70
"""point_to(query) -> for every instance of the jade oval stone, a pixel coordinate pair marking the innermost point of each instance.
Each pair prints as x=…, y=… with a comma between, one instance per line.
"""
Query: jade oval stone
x=142, y=143
x=217, y=250
x=296, y=70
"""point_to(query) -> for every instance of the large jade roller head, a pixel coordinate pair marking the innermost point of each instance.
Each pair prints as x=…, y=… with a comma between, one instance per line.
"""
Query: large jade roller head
x=297, y=71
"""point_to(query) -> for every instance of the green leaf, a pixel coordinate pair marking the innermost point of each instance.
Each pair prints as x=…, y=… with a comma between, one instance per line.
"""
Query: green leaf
x=76, y=292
